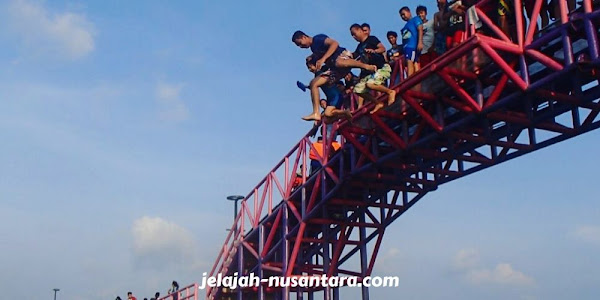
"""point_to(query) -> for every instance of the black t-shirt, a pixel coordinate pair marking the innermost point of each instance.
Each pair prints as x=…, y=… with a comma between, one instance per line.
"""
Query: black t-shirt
x=395, y=52
x=369, y=58
x=456, y=21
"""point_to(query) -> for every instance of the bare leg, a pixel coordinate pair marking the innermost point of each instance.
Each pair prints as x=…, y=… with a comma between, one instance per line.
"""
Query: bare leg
x=315, y=97
x=370, y=98
x=360, y=101
x=351, y=63
x=410, y=67
x=381, y=88
x=334, y=114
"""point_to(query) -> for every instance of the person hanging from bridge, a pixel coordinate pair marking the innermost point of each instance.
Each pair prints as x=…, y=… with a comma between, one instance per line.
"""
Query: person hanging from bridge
x=370, y=50
x=316, y=151
x=326, y=51
x=412, y=39
x=332, y=105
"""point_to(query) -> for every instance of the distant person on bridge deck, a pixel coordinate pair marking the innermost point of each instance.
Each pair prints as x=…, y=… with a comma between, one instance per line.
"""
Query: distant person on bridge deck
x=317, y=152
x=326, y=51
x=174, y=290
x=370, y=50
x=156, y=296
x=334, y=97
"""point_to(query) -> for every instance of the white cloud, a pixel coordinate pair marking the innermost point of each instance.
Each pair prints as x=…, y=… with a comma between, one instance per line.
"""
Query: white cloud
x=503, y=273
x=588, y=233
x=66, y=34
x=172, y=108
x=467, y=262
x=159, y=244
x=466, y=259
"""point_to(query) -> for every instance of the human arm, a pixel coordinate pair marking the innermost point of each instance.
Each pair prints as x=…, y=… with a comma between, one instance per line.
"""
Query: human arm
x=332, y=46
x=380, y=49
x=420, y=41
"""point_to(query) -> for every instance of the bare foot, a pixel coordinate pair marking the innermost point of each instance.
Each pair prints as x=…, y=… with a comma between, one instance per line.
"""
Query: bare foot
x=392, y=98
x=377, y=107
x=312, y=117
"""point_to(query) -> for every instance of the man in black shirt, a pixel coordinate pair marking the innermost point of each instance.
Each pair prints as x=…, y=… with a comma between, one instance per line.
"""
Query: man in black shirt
x=370, y=51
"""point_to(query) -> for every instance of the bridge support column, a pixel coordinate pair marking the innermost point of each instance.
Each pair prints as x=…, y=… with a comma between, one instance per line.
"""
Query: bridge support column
x=285, y=245
x=363, y=253
x=261, y=246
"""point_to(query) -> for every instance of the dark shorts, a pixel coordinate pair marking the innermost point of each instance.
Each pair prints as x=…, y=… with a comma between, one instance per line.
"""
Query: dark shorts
x=345, y=54
x=411, y=54
x=333, y=96
x=427, y=58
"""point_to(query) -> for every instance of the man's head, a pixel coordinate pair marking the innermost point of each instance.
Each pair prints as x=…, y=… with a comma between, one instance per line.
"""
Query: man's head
x=441, y=4
x=311, y=64
x=301, y=39
x=341, y=86
x=405, y=13
x=422, y=12
x=358, y=33
x=366, y=28
x=348, y=76
x=129, y=295
x=392, y=37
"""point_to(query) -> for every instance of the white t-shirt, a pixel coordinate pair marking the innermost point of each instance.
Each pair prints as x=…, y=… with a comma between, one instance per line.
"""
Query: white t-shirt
x=428, y=36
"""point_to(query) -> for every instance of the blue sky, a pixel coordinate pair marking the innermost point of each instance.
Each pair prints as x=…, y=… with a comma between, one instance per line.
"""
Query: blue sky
x=126, y=123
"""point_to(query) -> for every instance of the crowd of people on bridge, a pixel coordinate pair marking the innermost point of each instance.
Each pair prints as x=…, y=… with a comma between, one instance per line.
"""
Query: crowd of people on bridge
x=422, y=39
x=172, y=294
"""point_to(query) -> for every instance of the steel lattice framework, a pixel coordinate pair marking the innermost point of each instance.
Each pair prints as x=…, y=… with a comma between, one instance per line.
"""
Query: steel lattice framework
x=480, y=104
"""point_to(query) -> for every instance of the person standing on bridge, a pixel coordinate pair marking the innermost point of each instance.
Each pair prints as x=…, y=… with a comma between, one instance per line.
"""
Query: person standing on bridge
x=412, y=40
x=174, y=290
x=427, y=54
x=326, y=51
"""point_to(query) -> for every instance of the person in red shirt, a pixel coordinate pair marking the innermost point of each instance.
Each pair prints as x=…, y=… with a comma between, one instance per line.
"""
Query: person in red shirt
x=130, y=296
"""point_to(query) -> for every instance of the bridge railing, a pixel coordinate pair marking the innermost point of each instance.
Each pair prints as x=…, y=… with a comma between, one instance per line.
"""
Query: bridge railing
x=189, y=292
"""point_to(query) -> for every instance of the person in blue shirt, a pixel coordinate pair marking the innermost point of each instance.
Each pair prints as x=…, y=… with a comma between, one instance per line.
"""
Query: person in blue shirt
x=326, y=51
x=334, y=98
x=412, y=39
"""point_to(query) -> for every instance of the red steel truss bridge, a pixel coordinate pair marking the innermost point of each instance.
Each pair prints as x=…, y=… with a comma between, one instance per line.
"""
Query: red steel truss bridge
x=488, y=100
